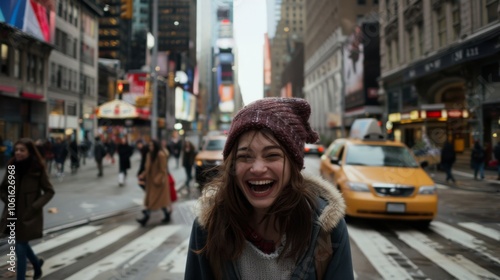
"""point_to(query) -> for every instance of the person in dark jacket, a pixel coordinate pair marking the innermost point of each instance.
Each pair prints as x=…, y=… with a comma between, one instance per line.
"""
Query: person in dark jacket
x=496, y=153
x=144, y=150
x=111, y=149
x=49, y=155
x=189, y=153
x=174, y=147
x=448, y=158
x=60, y=153
x=99, y=154
x=477, y=160
x=245, y=226
x=73, y=154
x=125, y=151
x=33, y=190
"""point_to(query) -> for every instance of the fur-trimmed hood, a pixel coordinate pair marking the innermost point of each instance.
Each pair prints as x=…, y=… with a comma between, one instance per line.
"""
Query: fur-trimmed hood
x=331, y=213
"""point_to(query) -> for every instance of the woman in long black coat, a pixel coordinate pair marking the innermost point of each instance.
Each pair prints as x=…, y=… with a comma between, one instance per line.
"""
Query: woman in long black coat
x=25, y=189
x=124, y=153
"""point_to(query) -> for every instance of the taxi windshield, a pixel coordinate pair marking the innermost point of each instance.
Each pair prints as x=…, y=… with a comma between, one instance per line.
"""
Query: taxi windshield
x=373, y=155
x=216, y=145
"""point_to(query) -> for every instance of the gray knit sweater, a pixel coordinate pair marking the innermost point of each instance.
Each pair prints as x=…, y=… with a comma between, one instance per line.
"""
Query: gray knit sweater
x=255, y=264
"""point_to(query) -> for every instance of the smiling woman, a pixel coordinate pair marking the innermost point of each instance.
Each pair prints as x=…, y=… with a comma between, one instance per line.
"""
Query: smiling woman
x=244, y=228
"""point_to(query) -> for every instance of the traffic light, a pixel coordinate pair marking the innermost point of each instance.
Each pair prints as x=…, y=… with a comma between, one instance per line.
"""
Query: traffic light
x=126, y=9
x=119, y=87
x=122, y=86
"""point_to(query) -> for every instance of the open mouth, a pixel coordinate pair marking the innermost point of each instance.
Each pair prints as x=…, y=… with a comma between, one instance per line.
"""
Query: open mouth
x=261, y=187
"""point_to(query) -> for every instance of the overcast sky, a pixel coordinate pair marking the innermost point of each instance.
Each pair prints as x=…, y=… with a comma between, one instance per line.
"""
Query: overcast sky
x=249, y=28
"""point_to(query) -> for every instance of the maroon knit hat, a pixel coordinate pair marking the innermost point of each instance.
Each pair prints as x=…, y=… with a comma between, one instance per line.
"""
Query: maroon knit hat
x=286, y=118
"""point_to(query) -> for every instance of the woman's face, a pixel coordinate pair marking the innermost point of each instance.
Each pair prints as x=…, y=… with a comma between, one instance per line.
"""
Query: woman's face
x=21, y=152
x=262, y=169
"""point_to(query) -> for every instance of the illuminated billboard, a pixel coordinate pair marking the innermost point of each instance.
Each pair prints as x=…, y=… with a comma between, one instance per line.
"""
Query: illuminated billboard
x=36, y=18
x=362, y=66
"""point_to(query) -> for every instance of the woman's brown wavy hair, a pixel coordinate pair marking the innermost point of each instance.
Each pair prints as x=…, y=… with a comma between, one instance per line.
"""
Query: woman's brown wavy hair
x=38, y=163
x=230, y=212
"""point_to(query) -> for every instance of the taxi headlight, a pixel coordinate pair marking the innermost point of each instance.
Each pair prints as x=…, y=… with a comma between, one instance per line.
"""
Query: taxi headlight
x=427, y=190
x=358, y=187
x=199, y=163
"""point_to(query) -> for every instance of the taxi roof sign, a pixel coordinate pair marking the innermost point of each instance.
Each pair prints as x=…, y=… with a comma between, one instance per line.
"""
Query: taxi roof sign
x=366, y=129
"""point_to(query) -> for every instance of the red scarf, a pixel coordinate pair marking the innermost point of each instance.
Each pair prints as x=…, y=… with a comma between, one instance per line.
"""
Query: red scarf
x=266, y=246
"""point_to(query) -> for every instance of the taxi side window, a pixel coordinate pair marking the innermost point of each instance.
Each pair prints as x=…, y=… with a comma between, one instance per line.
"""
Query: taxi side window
x=341, y=153
x=335, y=149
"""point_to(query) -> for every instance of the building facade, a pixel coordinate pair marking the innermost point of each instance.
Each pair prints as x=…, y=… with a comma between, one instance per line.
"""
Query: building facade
x=24, y=60
x=440, y=62
x=289, y=29
x=329, y=25
x=73, y=71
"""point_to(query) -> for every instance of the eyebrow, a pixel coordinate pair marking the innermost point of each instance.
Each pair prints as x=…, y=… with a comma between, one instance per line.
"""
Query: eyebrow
x=265, y=148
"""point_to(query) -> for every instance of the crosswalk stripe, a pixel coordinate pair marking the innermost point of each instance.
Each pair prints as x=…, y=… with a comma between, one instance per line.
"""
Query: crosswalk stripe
x=381, y=253
x=128, y=254
x=72, y=255
x=463, y=238
x=172, y=262
x=60, y=240
x=442, y=187
x=486, y=231
x=459, y=267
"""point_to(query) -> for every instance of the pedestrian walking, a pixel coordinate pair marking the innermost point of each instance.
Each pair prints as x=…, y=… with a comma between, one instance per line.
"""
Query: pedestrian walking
x=124, y=151
x=73, y=154
x=143, y=150
x=111, y=149
x=247, y=223
x=157, y=186
x=496, y=153
x=188, y=155
x=99, y=154
x=477, y=160
x=33, y=190
x=60, y=153
x=448, y=158
x=175, y=147
x=49, y=155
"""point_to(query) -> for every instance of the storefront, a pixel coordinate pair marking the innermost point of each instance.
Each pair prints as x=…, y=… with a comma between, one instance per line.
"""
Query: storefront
x=451, y=95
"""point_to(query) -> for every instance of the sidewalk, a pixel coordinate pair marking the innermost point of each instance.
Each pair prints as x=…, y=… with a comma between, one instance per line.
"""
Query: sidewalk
x=464, y=176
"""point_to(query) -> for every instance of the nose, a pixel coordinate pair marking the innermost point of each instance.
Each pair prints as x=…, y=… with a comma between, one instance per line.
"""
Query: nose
x=258, y=166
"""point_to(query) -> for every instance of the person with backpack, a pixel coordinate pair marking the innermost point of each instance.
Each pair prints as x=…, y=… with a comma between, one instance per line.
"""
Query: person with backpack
x=262, y=217
x=477, y=160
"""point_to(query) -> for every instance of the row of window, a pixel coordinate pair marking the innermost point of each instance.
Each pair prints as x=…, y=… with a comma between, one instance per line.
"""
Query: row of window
x=65, y=78
x=11, y=64
x=68, y=11
x=66, y=44
x=59, y=106
x=445, y=18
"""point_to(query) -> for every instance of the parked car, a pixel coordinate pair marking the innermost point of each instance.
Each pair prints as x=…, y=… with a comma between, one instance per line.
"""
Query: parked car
x=209, y=158
x=378, y=178
x=314, y=149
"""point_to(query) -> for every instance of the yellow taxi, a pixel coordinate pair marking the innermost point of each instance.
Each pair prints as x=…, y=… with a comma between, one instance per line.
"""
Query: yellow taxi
x=208, y=158
x=379, y=178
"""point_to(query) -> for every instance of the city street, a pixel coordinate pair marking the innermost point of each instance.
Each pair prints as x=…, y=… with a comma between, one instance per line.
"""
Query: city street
x=462, y=243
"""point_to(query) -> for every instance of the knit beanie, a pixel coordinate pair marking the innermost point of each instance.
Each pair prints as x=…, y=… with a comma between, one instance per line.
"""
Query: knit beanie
x=286, y=118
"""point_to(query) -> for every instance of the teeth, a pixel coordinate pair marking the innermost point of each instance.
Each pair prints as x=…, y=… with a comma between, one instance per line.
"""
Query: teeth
x=260, y=182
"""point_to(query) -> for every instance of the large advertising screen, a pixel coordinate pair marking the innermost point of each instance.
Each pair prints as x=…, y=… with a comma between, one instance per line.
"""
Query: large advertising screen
x=35, y=17
x=361, y=55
